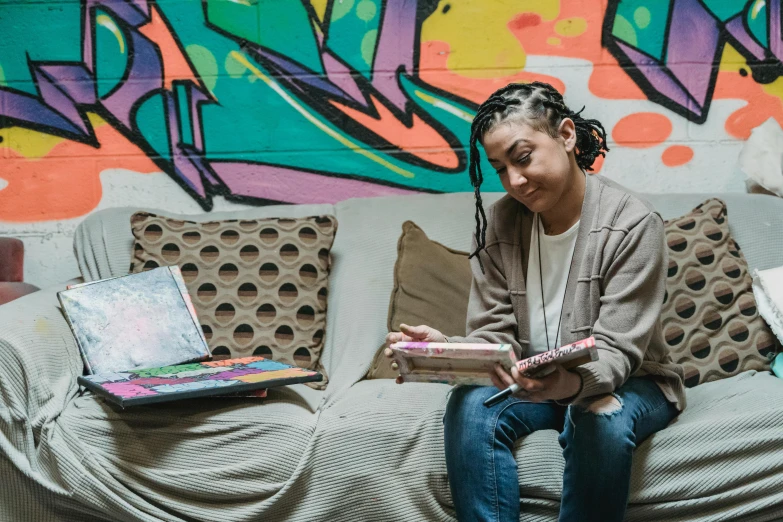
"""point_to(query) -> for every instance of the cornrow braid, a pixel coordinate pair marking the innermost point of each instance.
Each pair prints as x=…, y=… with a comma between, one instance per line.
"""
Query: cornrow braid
x=544, y=109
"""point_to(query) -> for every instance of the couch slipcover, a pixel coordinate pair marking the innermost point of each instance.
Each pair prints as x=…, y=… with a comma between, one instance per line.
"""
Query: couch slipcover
x=360, y=450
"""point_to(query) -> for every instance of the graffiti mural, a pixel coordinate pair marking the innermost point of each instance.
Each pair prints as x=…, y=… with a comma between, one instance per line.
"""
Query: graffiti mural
x=244, y=98
x=306, y=101
x=672, y=49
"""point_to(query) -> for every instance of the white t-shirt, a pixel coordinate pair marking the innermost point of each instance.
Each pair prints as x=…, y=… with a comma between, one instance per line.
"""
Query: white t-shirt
x=556, y=254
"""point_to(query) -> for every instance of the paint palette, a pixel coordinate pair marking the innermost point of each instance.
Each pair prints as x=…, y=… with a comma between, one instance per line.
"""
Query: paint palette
x=451, y=363
x=187, y=381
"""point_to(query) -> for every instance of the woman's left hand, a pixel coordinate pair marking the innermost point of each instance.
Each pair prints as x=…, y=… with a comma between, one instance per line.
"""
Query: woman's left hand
x=558, y=385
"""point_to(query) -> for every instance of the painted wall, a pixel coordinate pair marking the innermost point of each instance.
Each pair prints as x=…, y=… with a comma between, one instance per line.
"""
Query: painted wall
x=191, y=105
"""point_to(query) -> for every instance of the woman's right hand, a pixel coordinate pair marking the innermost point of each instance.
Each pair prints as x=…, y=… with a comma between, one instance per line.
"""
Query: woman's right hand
x=421, y=334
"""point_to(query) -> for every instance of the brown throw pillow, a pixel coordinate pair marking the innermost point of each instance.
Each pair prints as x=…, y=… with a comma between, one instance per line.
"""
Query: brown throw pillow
x=709, y=314
x=259, y=286
x=431, y=286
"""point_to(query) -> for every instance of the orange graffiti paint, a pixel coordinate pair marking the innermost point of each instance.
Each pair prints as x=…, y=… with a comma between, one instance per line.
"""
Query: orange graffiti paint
x=611, y=82
x=420, y=139
x=642, y=129
x=761, y=106
x=677, y=155
x=175, y=66
x=541, y=37
x=66, y=182
x=67, y=187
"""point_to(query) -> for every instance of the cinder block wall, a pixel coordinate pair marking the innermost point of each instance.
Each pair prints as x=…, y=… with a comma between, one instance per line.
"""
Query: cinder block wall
x=187, y=105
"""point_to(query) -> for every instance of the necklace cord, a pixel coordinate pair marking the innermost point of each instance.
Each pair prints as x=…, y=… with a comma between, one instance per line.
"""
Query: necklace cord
x=539, y=230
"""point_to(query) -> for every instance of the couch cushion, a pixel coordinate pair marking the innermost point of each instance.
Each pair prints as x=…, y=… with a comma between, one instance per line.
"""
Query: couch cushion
x=431, y=286
x=717, y=459
x=709, y=317
x=259, y=286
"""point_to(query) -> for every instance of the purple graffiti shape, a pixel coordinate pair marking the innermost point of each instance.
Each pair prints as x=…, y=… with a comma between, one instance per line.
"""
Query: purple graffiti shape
x=683, y=77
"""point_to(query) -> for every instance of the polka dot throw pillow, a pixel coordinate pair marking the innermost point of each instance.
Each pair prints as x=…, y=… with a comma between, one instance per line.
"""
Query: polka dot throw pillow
x=709, y=316
x=259, y=286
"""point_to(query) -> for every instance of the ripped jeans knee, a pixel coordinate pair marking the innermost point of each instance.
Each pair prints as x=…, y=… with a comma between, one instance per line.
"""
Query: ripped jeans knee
x=608, y=404
x=596, y=418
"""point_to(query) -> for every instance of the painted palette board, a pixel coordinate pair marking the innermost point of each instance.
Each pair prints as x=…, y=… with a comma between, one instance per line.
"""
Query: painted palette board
x=451, y=363
x=134, y=321
x=202, y=379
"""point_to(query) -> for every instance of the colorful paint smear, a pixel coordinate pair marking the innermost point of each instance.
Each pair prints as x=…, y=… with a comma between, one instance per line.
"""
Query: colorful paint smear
x=135, y=321
x=235, y=376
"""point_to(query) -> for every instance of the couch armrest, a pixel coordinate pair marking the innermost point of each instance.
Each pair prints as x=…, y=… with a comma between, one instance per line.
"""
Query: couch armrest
x=11, y=260
x=11, y=291
x=39, y=363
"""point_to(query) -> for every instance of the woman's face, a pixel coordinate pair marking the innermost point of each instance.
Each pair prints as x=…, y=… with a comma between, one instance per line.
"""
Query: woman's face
x=534, y=168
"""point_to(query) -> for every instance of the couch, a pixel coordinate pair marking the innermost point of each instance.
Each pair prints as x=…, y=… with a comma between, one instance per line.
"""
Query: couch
x=360, y=449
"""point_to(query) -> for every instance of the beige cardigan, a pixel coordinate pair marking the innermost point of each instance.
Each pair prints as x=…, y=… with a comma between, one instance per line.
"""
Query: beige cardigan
x=614, y=292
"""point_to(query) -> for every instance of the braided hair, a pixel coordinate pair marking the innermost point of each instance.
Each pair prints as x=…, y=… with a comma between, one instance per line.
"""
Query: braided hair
x=544, y=109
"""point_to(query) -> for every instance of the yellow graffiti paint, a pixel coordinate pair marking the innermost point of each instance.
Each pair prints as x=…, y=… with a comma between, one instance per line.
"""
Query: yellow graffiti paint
x=32, y=144
x=320, y=8
x=315, y=121
x=775, y=88
x=758, y=5
x=109, y=24
x=459, y=113
x=28, y=143
x=478, y=35
x=730, y=59
x=570, y=27
x=95, y=120
x=553, y=40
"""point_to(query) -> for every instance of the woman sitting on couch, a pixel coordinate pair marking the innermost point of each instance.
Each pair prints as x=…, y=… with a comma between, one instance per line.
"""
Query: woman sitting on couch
x=561, y=257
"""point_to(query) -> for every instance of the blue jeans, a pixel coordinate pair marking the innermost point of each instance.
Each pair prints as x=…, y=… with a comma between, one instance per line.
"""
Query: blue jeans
x=597, y=447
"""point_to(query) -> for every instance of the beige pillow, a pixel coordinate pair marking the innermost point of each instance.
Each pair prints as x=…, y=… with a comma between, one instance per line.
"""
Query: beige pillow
x=431, y=286
x=259, y=286
x=709, y=316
